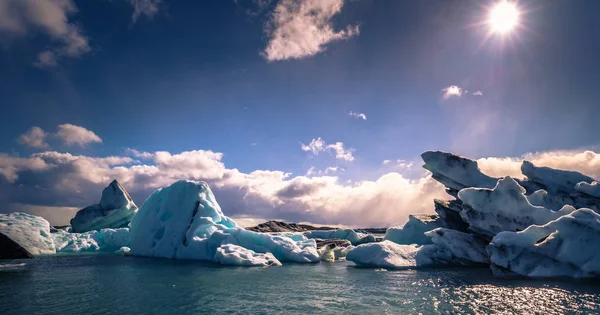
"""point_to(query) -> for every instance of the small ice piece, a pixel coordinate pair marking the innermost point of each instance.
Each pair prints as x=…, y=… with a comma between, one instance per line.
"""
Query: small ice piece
x=553, y=180
x=413, y=232
x=592, y=189
x=327, y=252
x=390, y=255
x=30, y=232
x=346, y=234
x=466, y=248
x=235, y=255
x=565, y=247
x=115, y=210
x=123, y=251
x=503, y=208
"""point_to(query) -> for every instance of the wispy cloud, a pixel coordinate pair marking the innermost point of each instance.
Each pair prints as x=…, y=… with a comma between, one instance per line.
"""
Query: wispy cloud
x=69, y=134
x=358, y=115
x=451, y=91
x=318, y=145
x=35, y=138
x=302, y=28
x=399, y=164
x=148, y=8
x=478, y=93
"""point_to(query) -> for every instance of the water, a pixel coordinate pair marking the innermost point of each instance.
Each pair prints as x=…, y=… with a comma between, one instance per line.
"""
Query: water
x=107, y=284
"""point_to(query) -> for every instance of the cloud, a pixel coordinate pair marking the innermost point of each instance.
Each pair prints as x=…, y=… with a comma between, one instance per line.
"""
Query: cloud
x=148, y=8
x=478, y=93
x=76, y=135
x=302, y=28
x=358, y=115
x=451, y=91
x=313, y=171
x=400, y=164
x=253, y=7
x=19, y=18
x=35, y=138
x=318, y=145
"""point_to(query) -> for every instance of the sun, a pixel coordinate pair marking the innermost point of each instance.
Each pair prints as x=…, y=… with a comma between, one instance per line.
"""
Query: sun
x=504, y=17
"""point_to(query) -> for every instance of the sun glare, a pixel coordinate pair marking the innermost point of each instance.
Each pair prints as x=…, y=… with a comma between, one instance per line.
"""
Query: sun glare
x=504, y=17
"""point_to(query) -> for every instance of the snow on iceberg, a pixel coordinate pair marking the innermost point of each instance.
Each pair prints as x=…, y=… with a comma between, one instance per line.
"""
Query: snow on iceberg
x=389, y=255
x=413, y=232
x=115, y=210
x=184, y=221
x=503, y=208
x=345, y=234
x=30, y=232
x=465, y=248
x=553, y=181
x=592, y=189
x=235, y=255
x=455, y=172
x=107, y=240
x=565, y=247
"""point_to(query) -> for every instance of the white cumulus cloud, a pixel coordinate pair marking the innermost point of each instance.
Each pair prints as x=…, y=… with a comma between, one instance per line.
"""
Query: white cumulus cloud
x=76, y=135
x=451, y=91
x=358, y=115
x=319, y=145
x=35, y=138
x=302, y=28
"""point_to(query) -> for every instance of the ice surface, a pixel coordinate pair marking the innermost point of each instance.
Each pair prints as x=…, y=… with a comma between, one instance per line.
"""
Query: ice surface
x=553, y=180
x=185, y=221
x=413, y=232
x=465, y=248
x=235, y=255
x=29, y=231
x=592, y=189
x=346, y=234
x=455, y=172
x=390, y=255
x=115, y=210
x=107, y=240
x=565, y=247
x=503, y=208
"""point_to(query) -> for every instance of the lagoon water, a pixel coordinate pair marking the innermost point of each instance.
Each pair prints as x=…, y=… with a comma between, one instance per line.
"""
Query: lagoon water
x=110, y=284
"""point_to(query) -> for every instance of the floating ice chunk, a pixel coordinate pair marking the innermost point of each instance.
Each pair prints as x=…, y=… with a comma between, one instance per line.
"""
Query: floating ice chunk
x=185, y=221
x=346, y=234
x=592, y=189
x=235, y=255
x=413, y=232
x=553, y=180
x=465, y=248
x=455, y=172
x=123, y=251
x=565, y=247
x=503, y=208
x=115, y=210
x=30, y=232
x=390, y=255
x=107, y=240
x=327, y=252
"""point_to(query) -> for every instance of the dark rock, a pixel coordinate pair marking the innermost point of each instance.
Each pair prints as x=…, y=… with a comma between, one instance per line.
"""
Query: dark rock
x=10, y=249
x=449, y=211
x=282, y=226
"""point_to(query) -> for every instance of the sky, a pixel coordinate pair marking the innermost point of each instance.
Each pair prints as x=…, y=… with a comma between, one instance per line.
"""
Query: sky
x=302, y=110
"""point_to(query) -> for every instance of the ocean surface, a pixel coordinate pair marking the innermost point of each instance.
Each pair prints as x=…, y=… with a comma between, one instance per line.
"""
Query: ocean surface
x=110, y=284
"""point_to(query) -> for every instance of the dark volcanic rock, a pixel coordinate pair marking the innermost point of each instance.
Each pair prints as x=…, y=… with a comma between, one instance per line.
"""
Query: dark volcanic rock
x=281, y=226
x=9, y=249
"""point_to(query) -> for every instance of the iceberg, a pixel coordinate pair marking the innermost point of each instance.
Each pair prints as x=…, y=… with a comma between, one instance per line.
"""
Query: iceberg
x=345, y=234
x=503, y=208
x=413, y=232
x=184, y=221
x=552, y=180
x=565, y=247
x=235, y=255
x=465, y=248
x=449, y=211
x=592, y=190
x=389, y=255
x=115, y=210
x=25, y=236
x=107, y=240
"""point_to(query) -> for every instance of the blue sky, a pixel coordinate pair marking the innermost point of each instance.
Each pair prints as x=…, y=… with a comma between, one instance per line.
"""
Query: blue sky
x=217, y=76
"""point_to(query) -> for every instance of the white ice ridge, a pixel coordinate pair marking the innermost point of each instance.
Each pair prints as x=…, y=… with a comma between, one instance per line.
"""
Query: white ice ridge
x=346, y=234
x=115, y=210
x=456, y=172
x=413, y=232
x=29, y=231
x=565, y=247
x=235, y=255
x=107, y=240
x=592, y=189
x=184, y=221
x=553, y=180
x=390, y=255
x=503, y=208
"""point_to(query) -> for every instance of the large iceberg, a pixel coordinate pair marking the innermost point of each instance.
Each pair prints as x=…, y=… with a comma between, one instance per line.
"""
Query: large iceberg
x=553, y=180
x=465, y=248
x=31, y=233
x=184, y=221
x=115, y=210
x=413, y=232
x=389, y=255
x=565, y=247
x=345, y=234
x=106, y=240
x=503, y=208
